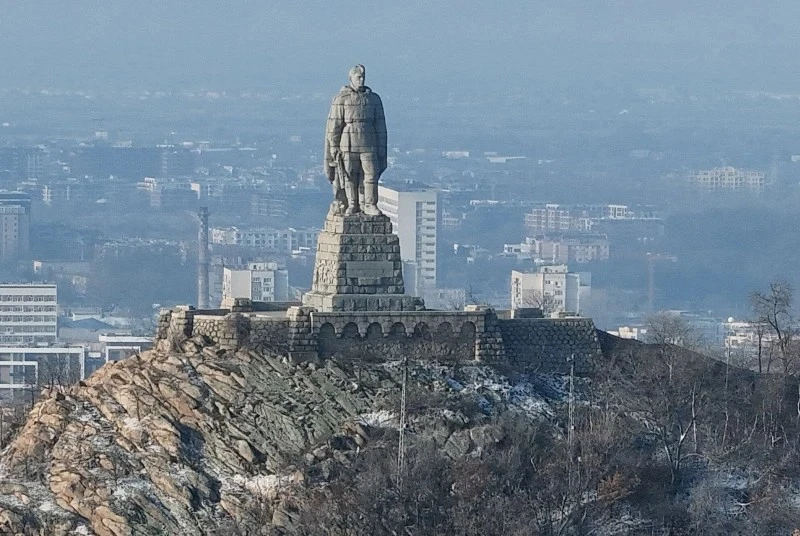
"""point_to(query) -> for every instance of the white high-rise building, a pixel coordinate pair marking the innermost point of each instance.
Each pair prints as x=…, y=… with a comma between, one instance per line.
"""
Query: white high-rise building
x=413, y=211
x=258, y=281
x=553, y=289
x=28, y=314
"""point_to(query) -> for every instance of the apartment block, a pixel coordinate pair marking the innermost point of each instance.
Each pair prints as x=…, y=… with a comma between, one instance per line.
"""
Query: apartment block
x=257, y=281
x=28, y=314
x=413, y=211
x=728, y=179
x=553, y=289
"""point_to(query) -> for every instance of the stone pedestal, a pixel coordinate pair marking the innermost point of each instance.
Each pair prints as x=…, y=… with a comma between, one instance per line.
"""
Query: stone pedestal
x=358, y=267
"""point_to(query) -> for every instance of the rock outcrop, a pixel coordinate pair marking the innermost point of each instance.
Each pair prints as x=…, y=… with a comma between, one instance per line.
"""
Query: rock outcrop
x=183, y=440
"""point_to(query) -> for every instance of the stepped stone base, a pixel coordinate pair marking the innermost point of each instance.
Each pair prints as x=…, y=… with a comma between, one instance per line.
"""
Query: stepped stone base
x=362, y=302
x=358, y=267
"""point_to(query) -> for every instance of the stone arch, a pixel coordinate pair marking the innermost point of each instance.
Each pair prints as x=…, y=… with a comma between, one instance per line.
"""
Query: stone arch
x=350, y=331
x=326, y=340
x=468, y=330
x=397, y=331
x=374, y=331
x=444, y=330
x=422, y=331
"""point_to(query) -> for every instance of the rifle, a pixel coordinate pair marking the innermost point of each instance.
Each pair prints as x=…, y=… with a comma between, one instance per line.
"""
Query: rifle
x=341, y=173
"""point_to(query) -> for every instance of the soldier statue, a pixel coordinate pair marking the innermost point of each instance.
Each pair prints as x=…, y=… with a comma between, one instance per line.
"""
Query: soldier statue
x=355, y=147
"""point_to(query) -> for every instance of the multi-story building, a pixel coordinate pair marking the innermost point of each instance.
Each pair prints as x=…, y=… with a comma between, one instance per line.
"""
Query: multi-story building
x=28, y=314
x=555, y=218
x=551, y=218
x=728, y=179
x=31, y=367
x=66, y=191
x=257, y=281
x=15, y=222
x=164, y=193
x=579, y=248
x=268, y=205
x=569, y=249
x=22, y=367
x=452, y=220
x=283, y=241
x=21, y=163
x=552, y=289
x=413, y=211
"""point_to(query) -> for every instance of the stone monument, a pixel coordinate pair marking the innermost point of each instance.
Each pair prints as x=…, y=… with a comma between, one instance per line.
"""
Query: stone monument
x=358, y=265
x=355, y=146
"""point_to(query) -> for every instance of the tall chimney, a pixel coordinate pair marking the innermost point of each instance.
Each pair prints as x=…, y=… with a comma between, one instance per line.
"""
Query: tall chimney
x=202, y=259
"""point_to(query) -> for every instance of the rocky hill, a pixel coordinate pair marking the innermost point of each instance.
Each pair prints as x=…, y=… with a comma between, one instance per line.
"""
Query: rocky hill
x=198, y=440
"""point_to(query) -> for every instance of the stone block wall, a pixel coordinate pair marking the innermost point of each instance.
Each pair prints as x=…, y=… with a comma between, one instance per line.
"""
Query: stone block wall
x=550, y=345
x=270, y=332
x=489, y=346
x=302, y=339
x=358, y=255
x=476, y=334
x=162, y=327
x=180, y=323
x=358, y=267
x=235, y=330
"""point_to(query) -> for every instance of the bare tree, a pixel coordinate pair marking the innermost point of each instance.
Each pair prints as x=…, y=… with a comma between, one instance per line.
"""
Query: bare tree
x=676, y=395
x=773, y=309
x=670, y=333
x=539, y=300
x=57, y=371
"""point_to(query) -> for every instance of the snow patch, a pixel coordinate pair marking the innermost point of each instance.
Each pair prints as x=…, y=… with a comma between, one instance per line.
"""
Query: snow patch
x=532, y=394
x=128, y=488
x=266, y=486
x=378, y=419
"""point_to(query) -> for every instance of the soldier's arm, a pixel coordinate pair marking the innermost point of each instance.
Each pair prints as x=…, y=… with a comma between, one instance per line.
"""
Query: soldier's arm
x=380, y=130
x=333, y=131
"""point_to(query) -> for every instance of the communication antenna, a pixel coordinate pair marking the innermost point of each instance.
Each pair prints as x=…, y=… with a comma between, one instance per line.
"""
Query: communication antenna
x=401, y=444
x=571, y=415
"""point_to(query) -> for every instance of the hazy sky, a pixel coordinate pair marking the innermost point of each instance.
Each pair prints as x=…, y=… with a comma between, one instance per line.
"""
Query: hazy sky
x=420, y=43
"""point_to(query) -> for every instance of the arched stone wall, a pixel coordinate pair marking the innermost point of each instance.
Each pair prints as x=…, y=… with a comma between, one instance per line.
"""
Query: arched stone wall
x=422, y=332
x=326, y=340
x=305, y=334
x=350, y=331
x=468, y=330
x=397, y=331
x=374, y=331
x=371, y=336
x=445, y=329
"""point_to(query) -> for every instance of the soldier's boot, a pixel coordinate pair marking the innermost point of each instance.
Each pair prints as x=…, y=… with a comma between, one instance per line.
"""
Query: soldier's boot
x=371, y=199
x=352, y=199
